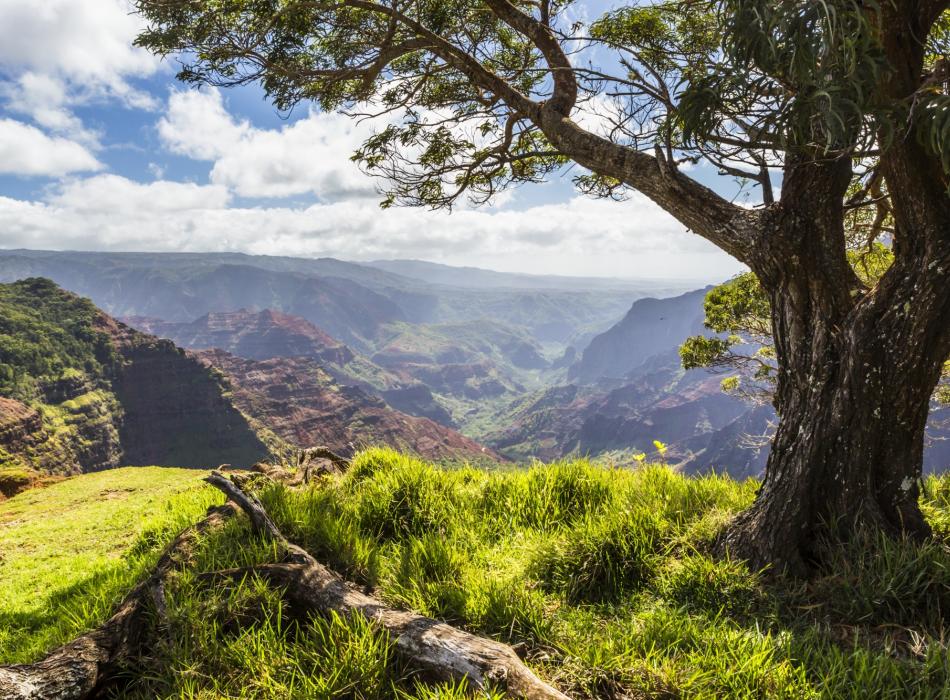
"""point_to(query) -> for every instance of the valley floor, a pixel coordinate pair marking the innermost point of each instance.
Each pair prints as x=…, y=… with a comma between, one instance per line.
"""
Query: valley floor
x=597, y=574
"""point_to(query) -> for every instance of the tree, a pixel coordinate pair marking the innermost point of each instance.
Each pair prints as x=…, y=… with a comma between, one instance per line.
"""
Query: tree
x=826, y=97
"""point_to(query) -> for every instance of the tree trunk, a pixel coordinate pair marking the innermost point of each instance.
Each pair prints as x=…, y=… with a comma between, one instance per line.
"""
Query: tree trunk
x=847, y=454
x=853, y=396
x=857, y=368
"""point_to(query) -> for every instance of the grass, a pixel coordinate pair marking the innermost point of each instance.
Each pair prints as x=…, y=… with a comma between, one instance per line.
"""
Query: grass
x=69, y=552
x=601, y=574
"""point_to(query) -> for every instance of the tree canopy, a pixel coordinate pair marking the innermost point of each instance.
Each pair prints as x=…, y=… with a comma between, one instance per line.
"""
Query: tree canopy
x=836, y=112
x=461, y=84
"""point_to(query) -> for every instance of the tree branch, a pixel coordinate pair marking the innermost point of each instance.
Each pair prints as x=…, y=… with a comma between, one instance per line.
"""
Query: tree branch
x=436, y=648
x=564, y=96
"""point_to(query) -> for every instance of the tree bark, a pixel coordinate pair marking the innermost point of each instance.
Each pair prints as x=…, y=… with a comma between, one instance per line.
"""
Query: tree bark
x=848, y=450
x=857, y=368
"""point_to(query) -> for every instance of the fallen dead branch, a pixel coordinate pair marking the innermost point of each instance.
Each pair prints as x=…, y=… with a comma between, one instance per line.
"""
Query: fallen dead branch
x=83, y=667
x=435, y=648
x=78, y=669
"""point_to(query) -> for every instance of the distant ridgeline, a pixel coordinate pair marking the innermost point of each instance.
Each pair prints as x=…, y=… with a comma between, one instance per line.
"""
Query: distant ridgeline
x=80, y=391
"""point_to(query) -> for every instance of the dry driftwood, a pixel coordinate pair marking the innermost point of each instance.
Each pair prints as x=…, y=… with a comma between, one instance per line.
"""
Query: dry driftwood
x=438, y=649
x=310, y=463
x=78, y=669
x=317, y=461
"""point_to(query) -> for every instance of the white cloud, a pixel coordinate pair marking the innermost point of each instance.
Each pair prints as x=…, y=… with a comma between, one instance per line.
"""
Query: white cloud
x=63, y=53
x=115, y=197
x=45, y=98
x=198, y=126
x=579, y=236
x=25, y=150
x=311, y=155
x=86, y=42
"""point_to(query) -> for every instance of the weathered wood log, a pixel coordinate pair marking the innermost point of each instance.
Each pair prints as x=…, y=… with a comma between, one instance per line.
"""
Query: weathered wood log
x=80, y=668
x=318, y=461
x=435, y=648
x=323, y=452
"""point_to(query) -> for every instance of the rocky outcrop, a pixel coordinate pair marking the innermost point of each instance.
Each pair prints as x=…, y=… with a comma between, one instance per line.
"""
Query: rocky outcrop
x=254, y=335
x=177, y=412
x=297, y=400
x=268, y=334
x=651, y=327
x=417, y=400
x=79, y=433
x=22, y=441
x=20, y=425
x=686, y=410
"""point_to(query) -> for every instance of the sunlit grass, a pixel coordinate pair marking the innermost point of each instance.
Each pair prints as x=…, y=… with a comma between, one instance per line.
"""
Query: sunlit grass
x=69, y=552
x=600, y=575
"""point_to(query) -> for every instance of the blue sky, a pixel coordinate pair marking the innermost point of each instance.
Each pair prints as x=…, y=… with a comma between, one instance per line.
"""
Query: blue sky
x=101, y=149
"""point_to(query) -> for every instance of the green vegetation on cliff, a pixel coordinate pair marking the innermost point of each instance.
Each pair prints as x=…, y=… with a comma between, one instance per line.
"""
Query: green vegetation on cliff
x=48, y=335
x=56, y=361
x=600, y=574
x=81, y=392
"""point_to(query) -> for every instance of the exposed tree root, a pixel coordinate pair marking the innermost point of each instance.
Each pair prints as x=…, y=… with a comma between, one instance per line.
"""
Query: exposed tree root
x=78, y=669
x=438, y=649
x=83, y=667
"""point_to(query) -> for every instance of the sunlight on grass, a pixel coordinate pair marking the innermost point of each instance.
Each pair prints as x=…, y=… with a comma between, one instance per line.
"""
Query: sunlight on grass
x=600, y=575
x=69, y=552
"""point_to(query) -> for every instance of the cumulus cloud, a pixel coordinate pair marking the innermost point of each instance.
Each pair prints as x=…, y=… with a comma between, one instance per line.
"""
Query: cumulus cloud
x=578, y=236
x=45, y=99
x=25, y=150
x=64, y=53
x=84, y=42
x=113, y=196
x=311, y=155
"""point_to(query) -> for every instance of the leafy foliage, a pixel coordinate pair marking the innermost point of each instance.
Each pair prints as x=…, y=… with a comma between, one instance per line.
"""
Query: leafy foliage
x=801, y=74
x=731, y=81
x=449, y=138
x=739, y=310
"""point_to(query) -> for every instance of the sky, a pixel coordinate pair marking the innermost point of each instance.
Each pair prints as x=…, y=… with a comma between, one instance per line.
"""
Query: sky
x=102, y=149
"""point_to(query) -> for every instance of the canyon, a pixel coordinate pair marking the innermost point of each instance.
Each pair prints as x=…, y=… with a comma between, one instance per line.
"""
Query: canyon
x=448, y=363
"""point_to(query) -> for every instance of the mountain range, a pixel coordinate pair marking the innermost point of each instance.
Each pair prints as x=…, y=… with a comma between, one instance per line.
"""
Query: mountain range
x=81, y=391
x=450, y=363
x=348, y=300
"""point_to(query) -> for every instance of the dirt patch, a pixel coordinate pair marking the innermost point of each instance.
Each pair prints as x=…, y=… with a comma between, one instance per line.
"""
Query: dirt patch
x=116, y=493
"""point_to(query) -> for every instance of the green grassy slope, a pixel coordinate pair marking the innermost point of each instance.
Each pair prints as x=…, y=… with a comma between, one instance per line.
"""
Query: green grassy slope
x=599, y=573
x=69, y=552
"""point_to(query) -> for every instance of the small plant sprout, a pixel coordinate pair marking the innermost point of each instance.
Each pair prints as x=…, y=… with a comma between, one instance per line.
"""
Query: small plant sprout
x=640, y=457
x=660, y=447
